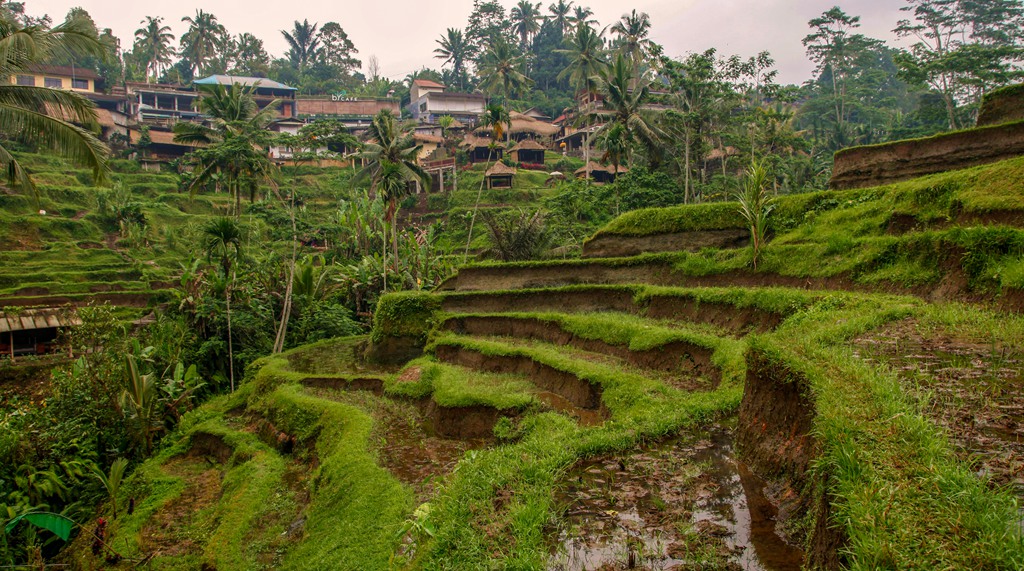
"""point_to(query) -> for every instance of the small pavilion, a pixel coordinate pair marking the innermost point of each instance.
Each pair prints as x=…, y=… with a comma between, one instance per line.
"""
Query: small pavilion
x=500, y=176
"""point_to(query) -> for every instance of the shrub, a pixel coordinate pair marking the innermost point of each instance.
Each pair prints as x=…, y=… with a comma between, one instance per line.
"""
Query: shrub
x=517, y=238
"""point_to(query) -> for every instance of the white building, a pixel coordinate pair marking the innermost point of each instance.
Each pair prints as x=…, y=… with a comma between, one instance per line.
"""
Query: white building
x=430, y=100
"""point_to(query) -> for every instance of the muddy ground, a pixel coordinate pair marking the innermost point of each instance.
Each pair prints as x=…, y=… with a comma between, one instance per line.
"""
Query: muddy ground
x=973, y=390
x=405, y=443
x=685, y=503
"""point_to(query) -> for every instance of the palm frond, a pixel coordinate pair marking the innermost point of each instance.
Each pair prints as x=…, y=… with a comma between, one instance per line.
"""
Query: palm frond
x=65, y=139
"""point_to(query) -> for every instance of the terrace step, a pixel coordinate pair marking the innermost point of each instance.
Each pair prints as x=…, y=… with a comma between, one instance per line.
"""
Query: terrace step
x=736, y=314
x=679, y=359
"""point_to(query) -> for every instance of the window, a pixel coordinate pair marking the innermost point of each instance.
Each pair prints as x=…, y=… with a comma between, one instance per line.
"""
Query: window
x=79, y=84
x=423, y=107
x=26, y=80
x=53, y=82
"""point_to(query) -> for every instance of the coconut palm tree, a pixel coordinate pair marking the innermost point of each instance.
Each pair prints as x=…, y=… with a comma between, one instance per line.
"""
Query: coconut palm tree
x=224, y=241
x=497, y=119
x=202, y=41
x=581, y=17
x=634, y=32
x=625, y=97
x=560, y=11
x=501, y=70
x=40, y=116
x=233, y=148
x=390, y=144
x=586, y=64
x=587, y=59
x=526, y=18
x=303, y=44
x=155, y=42
x=454, y=50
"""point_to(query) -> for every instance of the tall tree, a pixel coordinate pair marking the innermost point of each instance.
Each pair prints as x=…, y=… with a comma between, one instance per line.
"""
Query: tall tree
x=626, y=98
x=154, y=42
x=581, y=16
x=501, y=70
x=223, y=240
x=250, y=56
x=586, y=59
x=837, y=51
x=560, y=15
x=487, y=25
x=454, y=50
x=337, y=49
x=203, y=41
x=40, y=116
x=497, y=119
x=526, y=18
x=233, y=151
x=963, y=49
x=633, y=31
x=303, y=44
x=390, y=153
x=701, y=95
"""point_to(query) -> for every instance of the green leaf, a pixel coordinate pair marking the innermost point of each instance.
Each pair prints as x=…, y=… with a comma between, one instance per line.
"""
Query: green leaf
x=57, y=524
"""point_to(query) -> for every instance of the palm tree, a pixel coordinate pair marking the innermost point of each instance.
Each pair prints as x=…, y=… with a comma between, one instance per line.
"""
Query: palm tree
x=155, y=42
x=234, y=147
x=390, y=145
x=560, y=14
x=224, y=240
x=581, y=17
x=526, y=18
x=625, y=97
x=634, y=41
x=303, y=44
x=202, y=41
x=586, y=64
x=501, y=70
x=496, y=118
x=586, y=59
x=454, y=50
x=40, y=116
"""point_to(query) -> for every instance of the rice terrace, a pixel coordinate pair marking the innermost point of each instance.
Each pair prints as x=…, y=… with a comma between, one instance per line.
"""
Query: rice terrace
x=582, y=291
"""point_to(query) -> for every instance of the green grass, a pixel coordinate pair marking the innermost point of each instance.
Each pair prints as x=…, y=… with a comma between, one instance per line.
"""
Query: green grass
x=934, y=198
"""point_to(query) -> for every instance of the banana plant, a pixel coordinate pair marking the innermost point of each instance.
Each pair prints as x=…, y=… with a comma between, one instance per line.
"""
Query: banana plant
x=112, y=481
x=139, y=402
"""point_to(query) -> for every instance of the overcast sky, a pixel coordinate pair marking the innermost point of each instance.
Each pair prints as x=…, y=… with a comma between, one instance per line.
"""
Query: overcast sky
x=402, y=33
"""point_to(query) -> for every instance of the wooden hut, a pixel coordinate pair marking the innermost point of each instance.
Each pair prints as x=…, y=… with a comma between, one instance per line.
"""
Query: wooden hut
x=479, y=149
x=528, y=151
x=33, y=331
x=599, y=173
x=500, y=176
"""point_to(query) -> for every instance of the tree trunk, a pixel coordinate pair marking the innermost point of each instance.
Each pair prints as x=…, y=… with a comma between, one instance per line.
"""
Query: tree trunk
x=286, y=312
x=476, y=206
x=231, y=350
x=686, y=183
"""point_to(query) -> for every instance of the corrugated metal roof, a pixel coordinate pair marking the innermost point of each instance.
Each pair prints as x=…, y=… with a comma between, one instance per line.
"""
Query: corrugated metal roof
x=29, y=319
x=229, y=80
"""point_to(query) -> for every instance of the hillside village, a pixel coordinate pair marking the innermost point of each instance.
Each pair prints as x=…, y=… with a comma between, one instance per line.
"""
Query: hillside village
x=567, y=303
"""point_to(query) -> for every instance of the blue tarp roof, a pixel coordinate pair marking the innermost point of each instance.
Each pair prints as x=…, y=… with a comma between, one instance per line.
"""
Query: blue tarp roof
x=229, y=80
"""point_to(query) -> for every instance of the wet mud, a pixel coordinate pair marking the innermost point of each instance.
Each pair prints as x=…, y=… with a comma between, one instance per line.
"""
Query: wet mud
x=974, y=391
x=684, y=503
x=405, y=440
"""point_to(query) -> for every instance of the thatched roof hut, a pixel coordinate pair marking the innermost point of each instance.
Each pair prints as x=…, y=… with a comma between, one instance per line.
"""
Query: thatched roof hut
x=528, y=151
x=500, y=175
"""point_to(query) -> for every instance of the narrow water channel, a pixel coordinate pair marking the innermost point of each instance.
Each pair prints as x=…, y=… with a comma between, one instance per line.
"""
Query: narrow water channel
x=685, y=502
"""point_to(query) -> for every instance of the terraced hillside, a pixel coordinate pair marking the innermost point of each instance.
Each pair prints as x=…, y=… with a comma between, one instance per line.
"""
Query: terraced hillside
x=853, y=403
x=68, y=246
